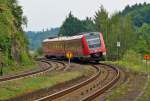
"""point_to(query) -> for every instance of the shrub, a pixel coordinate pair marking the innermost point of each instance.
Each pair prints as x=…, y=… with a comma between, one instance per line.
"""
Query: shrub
x=133, y=61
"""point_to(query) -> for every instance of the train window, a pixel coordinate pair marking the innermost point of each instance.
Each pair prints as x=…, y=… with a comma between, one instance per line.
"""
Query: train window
x=93, y=40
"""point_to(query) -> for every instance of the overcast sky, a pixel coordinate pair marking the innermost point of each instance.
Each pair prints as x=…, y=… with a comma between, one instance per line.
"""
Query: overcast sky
x=51, y=13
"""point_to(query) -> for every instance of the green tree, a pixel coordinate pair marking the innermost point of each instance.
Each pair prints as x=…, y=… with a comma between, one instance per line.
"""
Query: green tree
x=139, y=13
x=71, y=26
x=12, y=38
x=88, y=25
x=118, y=28
x=101, y=20
x=144, y=39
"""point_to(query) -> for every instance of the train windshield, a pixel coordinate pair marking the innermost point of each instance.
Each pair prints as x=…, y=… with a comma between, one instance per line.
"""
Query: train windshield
x=93, y=40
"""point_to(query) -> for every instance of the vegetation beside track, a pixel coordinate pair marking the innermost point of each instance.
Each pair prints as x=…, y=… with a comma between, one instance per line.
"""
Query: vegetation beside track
x=27, y=85
x=18, y=87
x=129, y=90
x=7, y=70
x=146, y=94
x=120, y=91
x=13, y=42
x=134, y=64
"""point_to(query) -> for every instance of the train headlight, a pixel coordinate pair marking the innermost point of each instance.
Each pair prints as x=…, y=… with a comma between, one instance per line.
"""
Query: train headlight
x=104, y=53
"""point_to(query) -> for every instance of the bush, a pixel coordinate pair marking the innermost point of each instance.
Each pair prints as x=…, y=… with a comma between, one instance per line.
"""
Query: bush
x=39, y=51
x=133, y=61
x=25, y=60
x=132, y=57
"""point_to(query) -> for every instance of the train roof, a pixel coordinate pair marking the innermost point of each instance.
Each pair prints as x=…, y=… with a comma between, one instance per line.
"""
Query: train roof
x=79, y=36
x=64, y=38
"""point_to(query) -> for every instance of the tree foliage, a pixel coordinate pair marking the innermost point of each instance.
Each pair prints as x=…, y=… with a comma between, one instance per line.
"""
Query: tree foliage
x=73, y=25
x=36, y=38
x=115, y=29
x=139, y=12
x=140, y=17
x=143, y=42
x=126, y=27
x=101, y=20
x=12, y=38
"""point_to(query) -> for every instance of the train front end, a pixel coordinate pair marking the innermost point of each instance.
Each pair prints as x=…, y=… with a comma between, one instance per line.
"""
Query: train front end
x=94, y=46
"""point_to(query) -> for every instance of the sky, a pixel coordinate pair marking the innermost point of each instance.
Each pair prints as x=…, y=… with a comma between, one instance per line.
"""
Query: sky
x=43, y=14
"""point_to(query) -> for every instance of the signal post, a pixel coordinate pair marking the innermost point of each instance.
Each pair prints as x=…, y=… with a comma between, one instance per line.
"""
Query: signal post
x=69, y=56
x=146, y=58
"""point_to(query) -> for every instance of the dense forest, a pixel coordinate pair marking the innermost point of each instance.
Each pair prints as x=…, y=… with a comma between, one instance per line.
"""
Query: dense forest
x=140, y=13
x=130, y=27
x=36, y=38
x=73, y=25
x=13, y=43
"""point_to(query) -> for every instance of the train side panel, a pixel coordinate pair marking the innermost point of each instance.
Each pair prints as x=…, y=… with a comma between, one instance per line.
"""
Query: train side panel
x=60, y=48
x=54, y=48
x=75, y=46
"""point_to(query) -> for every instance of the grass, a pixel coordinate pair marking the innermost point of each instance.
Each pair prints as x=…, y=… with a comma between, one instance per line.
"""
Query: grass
x=146, y=95
x=135, y=63
x=15, y=88
x=11, y=89
x=135, y=67
x=140, y=68
x=17, y=69
x=122, y=90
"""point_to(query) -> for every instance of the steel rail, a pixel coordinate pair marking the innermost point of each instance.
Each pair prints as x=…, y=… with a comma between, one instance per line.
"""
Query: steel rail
x=36, y=72
x=84, y=83
x=71, y=89
x=105, y=87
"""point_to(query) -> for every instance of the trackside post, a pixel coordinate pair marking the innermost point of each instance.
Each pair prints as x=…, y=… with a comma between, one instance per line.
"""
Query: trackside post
x=146, y=58
x=69, y=56
x=118, y=46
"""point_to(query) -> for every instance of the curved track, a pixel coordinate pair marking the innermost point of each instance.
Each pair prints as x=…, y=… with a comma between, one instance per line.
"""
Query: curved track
x=45, y=66
x=105, y=87
x=88, y=90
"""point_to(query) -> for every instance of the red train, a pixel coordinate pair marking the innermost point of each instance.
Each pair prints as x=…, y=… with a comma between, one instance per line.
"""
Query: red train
x=87, y=46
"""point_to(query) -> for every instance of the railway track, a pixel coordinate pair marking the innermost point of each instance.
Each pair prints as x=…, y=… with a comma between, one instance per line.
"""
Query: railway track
x=46, y=66
x=88, y=90
x=104, y=88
